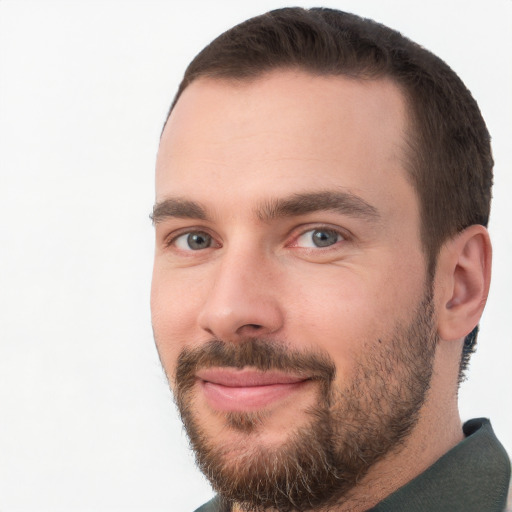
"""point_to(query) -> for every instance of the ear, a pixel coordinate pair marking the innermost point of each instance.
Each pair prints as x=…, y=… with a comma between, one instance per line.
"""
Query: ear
x=462, y=281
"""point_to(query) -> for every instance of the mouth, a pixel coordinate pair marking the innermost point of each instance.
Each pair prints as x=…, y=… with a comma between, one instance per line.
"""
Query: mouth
x=246, y=390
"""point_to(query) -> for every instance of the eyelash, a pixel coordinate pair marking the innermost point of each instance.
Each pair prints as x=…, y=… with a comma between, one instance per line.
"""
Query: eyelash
x=343, y=234
x=170, y=240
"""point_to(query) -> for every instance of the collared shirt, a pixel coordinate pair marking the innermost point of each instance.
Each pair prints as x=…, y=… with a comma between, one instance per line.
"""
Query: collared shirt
x=474, y=476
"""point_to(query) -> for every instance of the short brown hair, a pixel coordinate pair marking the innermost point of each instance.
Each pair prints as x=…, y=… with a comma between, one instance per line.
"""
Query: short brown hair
x=449, y=159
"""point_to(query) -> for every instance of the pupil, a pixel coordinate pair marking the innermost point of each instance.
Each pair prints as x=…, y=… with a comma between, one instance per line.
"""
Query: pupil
x=325, y=238
x=199, y=240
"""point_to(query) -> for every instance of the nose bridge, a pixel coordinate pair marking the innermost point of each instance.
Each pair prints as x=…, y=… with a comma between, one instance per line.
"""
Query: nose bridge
x=242, y=300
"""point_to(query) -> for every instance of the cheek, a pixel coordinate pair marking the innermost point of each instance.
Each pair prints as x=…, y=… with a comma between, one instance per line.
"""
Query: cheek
x=344, y=312
x=334, y=319
x=174, y=309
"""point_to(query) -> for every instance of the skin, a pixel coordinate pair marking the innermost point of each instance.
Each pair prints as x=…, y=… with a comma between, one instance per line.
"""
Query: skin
x=233, y=147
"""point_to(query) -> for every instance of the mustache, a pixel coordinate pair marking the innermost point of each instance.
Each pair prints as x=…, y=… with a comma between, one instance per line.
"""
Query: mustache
x=259, y=353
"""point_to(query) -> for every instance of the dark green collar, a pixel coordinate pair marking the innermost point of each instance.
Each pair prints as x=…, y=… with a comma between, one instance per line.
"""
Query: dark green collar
x=472, y=477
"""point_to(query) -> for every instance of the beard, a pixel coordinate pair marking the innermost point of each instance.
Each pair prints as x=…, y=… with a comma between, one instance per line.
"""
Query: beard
x=351, y=426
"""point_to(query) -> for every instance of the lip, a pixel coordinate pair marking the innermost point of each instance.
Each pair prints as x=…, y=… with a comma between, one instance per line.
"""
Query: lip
x=229, y=389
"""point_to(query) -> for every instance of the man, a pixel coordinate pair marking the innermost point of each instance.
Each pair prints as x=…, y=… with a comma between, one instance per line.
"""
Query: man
x=321, y=266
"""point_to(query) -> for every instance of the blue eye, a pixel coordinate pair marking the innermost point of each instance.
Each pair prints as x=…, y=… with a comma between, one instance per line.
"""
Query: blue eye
x=195, y=241
x=318, y=238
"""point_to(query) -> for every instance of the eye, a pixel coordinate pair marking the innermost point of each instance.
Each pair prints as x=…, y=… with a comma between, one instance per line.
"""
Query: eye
x=318, y=238
x=193, y=241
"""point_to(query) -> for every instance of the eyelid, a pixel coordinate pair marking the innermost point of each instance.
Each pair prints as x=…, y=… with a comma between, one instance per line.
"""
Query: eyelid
x=171, y=238
x=302, y=230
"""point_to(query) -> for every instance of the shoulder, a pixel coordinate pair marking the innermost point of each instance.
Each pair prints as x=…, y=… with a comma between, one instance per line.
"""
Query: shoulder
x=213, y=505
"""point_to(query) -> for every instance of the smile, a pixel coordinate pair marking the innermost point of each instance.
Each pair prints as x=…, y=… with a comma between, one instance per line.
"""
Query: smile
x=231, y=390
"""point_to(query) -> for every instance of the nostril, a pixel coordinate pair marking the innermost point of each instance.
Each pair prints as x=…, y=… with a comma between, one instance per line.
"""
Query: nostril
x=248, y=330
x=254, y=326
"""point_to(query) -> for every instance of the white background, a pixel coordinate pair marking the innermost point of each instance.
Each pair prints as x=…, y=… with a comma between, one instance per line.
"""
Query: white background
x=86, y=420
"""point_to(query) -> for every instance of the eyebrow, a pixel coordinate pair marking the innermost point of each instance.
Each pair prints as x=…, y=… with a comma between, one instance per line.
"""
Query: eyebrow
x=177, y=207
x=342, y=202
x=298, y=204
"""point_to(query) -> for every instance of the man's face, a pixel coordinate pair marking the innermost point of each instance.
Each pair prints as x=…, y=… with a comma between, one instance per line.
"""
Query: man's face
x=289, y=302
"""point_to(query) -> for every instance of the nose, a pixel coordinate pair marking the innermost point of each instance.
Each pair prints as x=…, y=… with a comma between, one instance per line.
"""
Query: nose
x=243, y=300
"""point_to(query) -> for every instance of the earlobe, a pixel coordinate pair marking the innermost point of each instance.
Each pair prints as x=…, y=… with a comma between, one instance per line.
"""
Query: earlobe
x=463, y=278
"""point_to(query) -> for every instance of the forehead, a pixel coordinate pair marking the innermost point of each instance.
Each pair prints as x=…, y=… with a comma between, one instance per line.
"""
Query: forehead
x=283, y=131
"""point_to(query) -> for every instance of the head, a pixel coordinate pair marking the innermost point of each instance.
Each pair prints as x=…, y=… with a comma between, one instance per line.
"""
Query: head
x=319, y=176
